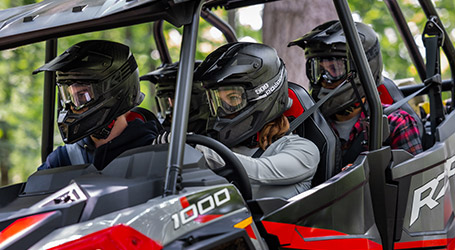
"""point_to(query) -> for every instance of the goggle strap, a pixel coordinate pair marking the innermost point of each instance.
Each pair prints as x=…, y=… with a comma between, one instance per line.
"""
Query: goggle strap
x=374, y=51
x=356, y=91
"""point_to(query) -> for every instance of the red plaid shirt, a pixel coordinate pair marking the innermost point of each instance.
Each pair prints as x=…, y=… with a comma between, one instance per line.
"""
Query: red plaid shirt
x=404, y=133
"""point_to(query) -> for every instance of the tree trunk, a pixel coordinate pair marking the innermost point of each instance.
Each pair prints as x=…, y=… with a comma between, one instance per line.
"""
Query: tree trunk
x=4, y=174
x=286, y=21
x=4, y=154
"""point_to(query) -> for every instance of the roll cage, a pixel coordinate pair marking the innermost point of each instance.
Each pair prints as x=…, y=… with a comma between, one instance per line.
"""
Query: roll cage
x=36, y=22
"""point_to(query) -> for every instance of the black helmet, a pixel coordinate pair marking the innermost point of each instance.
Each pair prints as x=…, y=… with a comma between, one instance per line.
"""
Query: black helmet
x=101, y=79
x=254, y=79
x=165, y=78
x=327, y=43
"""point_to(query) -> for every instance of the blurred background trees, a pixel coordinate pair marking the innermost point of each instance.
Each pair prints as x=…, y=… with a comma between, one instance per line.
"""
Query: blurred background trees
x=283, y=21
x=288, y=20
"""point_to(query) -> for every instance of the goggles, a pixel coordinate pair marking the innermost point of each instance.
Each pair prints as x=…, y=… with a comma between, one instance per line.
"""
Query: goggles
x=79, y=95
x=166, y=103
x=227, y=100
x=329, y=69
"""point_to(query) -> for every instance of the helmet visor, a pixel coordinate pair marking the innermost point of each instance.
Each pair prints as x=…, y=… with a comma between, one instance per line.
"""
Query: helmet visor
x=79, y=95
x=226, y=100
x=328, y=69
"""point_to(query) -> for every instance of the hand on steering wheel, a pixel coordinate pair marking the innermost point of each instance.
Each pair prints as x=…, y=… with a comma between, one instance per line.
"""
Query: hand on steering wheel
x=232, y=170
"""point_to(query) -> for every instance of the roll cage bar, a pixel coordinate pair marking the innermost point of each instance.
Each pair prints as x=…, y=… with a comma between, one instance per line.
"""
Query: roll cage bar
x=36, y=22
x=434, y=36
x=211, y=18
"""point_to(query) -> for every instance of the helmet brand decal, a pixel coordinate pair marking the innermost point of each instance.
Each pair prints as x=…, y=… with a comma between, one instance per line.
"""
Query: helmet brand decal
x=275, y=85
x=269, y=90
x=429, y=188
x=261, y=88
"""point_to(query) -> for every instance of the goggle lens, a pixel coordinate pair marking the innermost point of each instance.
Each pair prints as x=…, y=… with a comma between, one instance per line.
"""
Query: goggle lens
x=166, y=103
x=226, y=100
x=77, y=94
x=330, y=69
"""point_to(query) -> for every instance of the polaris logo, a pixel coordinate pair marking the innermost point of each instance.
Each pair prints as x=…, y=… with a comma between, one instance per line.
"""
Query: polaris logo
x=429, y=188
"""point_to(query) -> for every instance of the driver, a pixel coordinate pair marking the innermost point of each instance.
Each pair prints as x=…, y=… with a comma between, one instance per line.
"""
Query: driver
x=327, y=67
x=165, y=78
x=98, y=83
x=247, y=90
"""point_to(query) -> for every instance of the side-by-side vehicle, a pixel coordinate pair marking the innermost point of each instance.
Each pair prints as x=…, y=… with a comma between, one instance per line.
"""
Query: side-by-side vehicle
x=165, y=197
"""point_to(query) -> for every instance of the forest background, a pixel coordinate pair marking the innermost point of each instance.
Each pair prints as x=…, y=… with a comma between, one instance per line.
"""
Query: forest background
x=21, y=92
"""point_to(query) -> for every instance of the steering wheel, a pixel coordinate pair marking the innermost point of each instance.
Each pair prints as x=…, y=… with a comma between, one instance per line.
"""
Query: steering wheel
x=232, y=170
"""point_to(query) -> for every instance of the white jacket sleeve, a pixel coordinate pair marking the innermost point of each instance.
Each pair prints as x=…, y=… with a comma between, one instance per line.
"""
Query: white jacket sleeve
x=289, y=160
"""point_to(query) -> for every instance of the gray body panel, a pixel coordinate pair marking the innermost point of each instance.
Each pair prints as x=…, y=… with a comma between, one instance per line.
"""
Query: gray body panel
x=153, y=218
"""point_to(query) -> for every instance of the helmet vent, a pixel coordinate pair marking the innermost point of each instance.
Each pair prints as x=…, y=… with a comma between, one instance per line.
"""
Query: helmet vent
x=126, y=69
x=334, y=28
x=78, y=8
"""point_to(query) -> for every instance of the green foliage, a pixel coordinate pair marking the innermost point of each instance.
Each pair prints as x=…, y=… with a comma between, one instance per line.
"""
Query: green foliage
x=20, y=108
x=397, y=62
x=21, y=93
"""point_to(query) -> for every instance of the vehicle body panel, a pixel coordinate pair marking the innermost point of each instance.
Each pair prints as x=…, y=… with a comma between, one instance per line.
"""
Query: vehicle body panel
x=387, y=199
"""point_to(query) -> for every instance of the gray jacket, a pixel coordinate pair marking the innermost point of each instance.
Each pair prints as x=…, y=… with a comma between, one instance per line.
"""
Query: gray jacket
x=285, y=169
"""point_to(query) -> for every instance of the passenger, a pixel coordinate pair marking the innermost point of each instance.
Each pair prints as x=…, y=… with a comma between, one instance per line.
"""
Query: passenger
x=165, y=78
x=327, y=67
x=247, y=90
x=98, y=83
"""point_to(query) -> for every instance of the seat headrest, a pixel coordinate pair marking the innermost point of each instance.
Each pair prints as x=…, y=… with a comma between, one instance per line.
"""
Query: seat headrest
x=132, y=115
x=384, y=95
x=297, y=108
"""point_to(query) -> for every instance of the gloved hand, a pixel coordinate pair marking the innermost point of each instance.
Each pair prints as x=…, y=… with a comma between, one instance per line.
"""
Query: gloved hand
x=213, y=160
x=163, y=138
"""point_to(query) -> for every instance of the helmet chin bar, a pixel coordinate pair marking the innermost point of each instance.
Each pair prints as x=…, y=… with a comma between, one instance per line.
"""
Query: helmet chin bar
x=349, y=97
x=104, y=132
x=348, y=110
x=94, y=121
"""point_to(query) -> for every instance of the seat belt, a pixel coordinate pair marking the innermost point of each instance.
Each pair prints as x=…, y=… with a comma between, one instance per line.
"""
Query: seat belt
x=387, y=111
x=302, y=117
x=75, y=154
x=258, y=153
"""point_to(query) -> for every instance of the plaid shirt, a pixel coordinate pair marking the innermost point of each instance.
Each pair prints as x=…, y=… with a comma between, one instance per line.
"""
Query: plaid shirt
x=404, y=133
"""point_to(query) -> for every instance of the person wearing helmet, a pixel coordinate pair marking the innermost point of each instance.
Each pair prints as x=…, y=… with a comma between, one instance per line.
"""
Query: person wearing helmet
x=327, y=66
x=247, y=90
x=98, y=83
x=165, y=78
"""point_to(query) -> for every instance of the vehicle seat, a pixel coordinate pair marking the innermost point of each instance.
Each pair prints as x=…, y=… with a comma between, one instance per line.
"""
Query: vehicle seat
x=316, y=129
x=390, y=93
x=144, y=115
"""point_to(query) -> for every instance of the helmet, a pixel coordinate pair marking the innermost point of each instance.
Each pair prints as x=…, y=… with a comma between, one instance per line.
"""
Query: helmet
x=326, y=45
x=247, y=88
x=98, y=78
x=165, y=78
